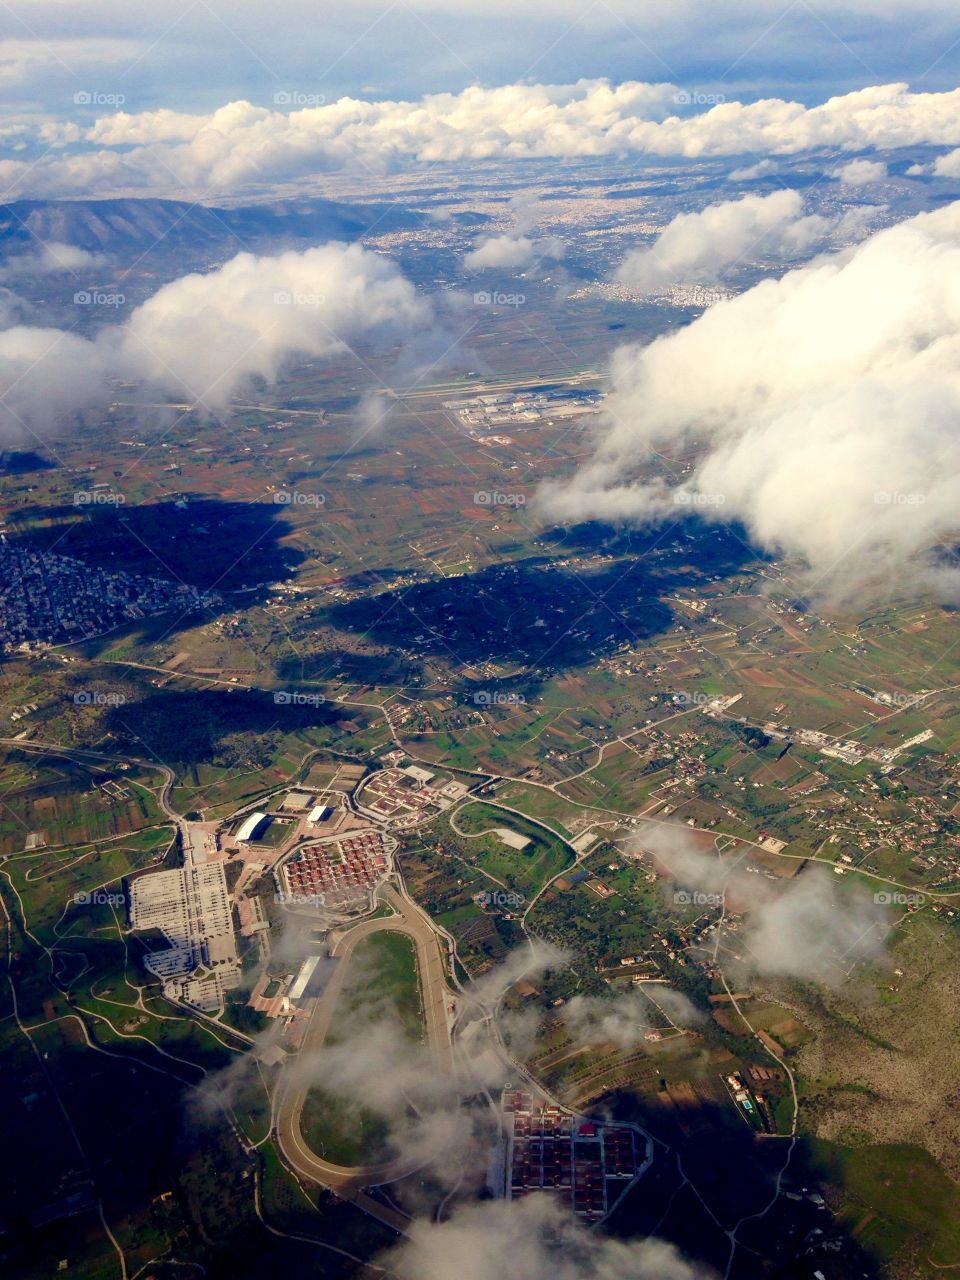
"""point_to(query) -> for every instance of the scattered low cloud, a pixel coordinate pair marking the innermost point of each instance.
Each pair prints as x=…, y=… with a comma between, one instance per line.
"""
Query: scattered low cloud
x=222, y=1090
x=22, y=61
x=822, y=409
x=762, y=169
x=530, y=1239
x=516, y=252
x=701, y=247
x=421, y=1097
x=860, y=173
x=501, y=251
x=517, y=248
x=206, y=335
x=202, y=337
x=948, y=166
x=625, y=1020
x=813, y=928
x=529, y=962
x=48, y=379
x=50, y=258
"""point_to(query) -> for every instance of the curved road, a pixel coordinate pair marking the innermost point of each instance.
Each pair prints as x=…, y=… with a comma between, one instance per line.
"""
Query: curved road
x=292, y=1092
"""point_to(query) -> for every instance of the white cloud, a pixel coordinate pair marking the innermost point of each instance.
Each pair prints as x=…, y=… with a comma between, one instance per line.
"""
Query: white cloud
x=204, y=336
x=375, y=1065
x=948, y=166
x=824, y=407
x=50, y=258
x=699, y=247
x=517, y=248
x=501, y=251
x=624, y=1020
x=762, y=169
x=512, y=252
x=47, y=378
x=529, y=1239
x=811, y=928
x=860, y=173
x=208, y=334
x=241, y=145
x=523, y=962
x=23, y=60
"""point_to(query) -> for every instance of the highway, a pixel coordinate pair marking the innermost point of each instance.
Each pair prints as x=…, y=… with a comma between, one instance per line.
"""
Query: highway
x=292, y=1091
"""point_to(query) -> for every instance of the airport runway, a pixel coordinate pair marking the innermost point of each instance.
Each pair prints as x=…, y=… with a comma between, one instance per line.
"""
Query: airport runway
x=349, y=1182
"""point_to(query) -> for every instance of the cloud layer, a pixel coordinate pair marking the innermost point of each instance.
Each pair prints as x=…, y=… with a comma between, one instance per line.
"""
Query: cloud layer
x=531, y=1239
x=203, y=337
x=701, y=247
x=823, y=410
x=810, y=928
x=242, y=145
x=625, y=1019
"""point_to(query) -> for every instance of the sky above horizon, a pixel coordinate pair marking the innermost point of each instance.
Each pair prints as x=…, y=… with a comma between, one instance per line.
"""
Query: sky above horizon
x=207, y=99
x=197, y=54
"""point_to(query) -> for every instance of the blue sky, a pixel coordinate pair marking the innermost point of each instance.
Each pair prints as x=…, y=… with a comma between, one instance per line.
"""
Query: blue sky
x=198, y=54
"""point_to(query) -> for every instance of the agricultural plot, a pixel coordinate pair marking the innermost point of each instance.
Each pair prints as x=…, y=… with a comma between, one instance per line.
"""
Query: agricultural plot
x=58, y=802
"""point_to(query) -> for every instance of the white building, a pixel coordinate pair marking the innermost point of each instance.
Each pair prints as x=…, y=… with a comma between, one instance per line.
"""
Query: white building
x=251, y=825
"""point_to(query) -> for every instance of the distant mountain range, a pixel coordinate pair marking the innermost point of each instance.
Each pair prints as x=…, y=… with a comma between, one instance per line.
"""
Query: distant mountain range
x=131, y=226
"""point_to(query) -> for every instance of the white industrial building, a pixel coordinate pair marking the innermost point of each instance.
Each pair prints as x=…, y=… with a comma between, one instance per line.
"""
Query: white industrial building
x=251, y=826
x=191, y=907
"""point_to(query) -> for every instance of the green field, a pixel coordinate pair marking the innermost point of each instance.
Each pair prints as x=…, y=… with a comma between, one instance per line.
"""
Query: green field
x=898, y=1201
x=382, y=982
x=524, y=871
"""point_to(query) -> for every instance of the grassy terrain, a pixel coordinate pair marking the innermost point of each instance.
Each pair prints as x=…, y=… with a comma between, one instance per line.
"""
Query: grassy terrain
x=382, y=981
x=522, y=870
x=288, y=1207
x=897, y=1201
